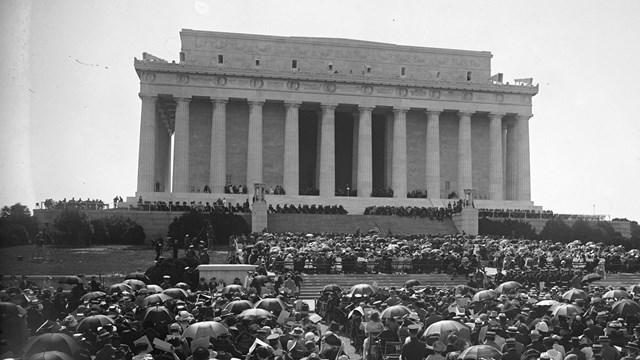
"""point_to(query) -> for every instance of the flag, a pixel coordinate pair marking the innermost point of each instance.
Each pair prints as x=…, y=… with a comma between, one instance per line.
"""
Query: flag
x=526, y=81
x=497, y=77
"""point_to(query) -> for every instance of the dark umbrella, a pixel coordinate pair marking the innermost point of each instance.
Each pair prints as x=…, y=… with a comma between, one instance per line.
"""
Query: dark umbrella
x=138, y=276
x=255, y=314
x=239, y=306
x=484, y=295
x=616, y=294
x=118, y=289
x=183, y=286
x=233, y=288
x=93, y=295
x=157, y=314
x=71, y=280
x=155, y=299
x=566, y=310
x=50, y=355
x=363, y=289
x=332, y=288
x=272, y=305
x=626, y=307
x=478, y=352
x=10, y=310
x=176, y=293
x=591, y=277
x=154, y=289
x=411, y=283
x=508, y=286
x=261, y=279
x=574, y=294
x=93, y=322
x=395, y=311
x=52, y=342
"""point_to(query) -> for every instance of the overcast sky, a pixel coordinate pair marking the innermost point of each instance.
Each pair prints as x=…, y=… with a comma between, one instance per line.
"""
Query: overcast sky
x=70, y=112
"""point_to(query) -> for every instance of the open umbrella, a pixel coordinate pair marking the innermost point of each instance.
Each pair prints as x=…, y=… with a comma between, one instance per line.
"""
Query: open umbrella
x=138, y=276
x=118, y=289
x=51, y=342
x=272, y=305
x=209, y=329
x=591, y=277
x=478, y=352
x=50, y=355
x=546, y=303
x=508, y=286
x=135, y=284
x=575, y=294
x=11, y=310
x=255, y=314
x=332, y=288
x=154, y=289
x=395, y=311
x=239, y=306
x=362, y=289
x=616, y=294
x=233, y=288
x=155, y=299
x=183, y=286
x=157, y=314
x=71, y=280
x=176, y=293
x=443, y=327
x=92, y=295
x=411, y=283
x=93, y=322
x=635, y=289
x=567, y=310
x=626, y=307
x=484, y=295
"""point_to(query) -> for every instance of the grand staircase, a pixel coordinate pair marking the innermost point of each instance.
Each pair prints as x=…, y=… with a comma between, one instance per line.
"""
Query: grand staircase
x=313, y=284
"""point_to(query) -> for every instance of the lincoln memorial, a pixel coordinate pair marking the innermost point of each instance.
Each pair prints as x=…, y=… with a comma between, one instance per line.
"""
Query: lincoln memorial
x=330, y=121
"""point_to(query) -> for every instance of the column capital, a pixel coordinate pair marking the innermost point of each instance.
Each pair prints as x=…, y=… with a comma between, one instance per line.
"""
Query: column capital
x=362, y=109
x=255, y=102
x=400, y=110
x=292, y=104
x=496, y=115
x=182, y=99
x=465, y=113
x=328, y=106
x=523, y=116
x=147, y=96
x=219, y=100
x=433, y=111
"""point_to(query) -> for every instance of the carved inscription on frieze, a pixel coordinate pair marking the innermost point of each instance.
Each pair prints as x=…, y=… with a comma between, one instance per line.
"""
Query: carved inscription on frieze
x=183, y=79
x=293, y=84
x=148, y=76
x=221, y=81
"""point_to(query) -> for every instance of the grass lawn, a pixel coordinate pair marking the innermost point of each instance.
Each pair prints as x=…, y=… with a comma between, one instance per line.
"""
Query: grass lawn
x=112, y=261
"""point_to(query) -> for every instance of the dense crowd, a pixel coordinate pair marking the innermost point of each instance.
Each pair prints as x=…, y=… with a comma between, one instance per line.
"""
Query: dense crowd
x=308, y=209
x=535, y=214
x=431, y=213
x=220, y=206
x=73, y=203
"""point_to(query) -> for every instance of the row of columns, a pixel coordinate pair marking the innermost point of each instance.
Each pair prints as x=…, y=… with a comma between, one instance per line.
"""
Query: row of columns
x=509, y=151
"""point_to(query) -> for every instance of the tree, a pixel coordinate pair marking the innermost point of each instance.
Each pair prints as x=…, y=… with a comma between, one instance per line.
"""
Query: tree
x=556, y=230
x=508, y=227
x=194, y=223
x=17, y=226
x=122, y=230
x=581, y=230
x=74, y=227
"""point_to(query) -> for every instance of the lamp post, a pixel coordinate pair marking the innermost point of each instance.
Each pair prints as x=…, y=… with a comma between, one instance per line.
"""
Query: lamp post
x=348, y=189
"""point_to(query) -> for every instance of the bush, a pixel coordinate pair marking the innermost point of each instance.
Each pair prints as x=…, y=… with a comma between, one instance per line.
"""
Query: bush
x=508, y=228
x=194, y=223
x=17, y=226
x=74, y=227
x=123, y=230
x=556, y=230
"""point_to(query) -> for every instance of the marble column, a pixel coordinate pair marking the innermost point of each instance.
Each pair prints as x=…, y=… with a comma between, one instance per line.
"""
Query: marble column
x=354, y=151
x=388, y=150
x=254, y=147
x=147, y=149
x=465, y=179
x=512, y=162
x=523, y=170
x=504, y=161
x=327, y=151
x=291, y=149
x=181, y=147
x=495, y=157
x=218, y=165
x=365, y=156
x=399, y=172
x=433, y=154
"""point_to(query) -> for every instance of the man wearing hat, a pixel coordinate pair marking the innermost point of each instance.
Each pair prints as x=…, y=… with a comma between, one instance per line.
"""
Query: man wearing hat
x=608, y=351
x=510, y=352
x=489, y=339
x=330, y=347
x=413, y=348
x=575, y=349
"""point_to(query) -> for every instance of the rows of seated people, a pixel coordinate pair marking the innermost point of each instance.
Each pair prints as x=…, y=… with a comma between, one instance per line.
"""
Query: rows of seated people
x=308, y=209
x=219, y=206
x=535, y=214
x=88, y=204
x=431, y=213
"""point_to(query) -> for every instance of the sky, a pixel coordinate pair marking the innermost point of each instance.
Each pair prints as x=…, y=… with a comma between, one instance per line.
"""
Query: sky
x=70, y=112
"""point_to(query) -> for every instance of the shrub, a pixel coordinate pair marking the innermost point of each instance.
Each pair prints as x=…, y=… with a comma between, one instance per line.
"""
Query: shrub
x=556, y=230
x=194, y=223
x=17, y=226
x=74, y=227
x=508, y=228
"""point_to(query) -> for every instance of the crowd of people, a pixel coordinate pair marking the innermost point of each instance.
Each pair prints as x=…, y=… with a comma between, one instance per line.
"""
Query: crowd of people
x=220, y=206
x=308, y=209
x=431, y=213
x=73, y=203
x=535, y=214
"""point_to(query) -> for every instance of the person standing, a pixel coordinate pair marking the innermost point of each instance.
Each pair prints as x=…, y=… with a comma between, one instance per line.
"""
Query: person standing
x=413, y=348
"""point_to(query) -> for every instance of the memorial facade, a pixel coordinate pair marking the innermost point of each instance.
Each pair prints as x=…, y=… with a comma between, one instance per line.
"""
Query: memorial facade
x=331, y=116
